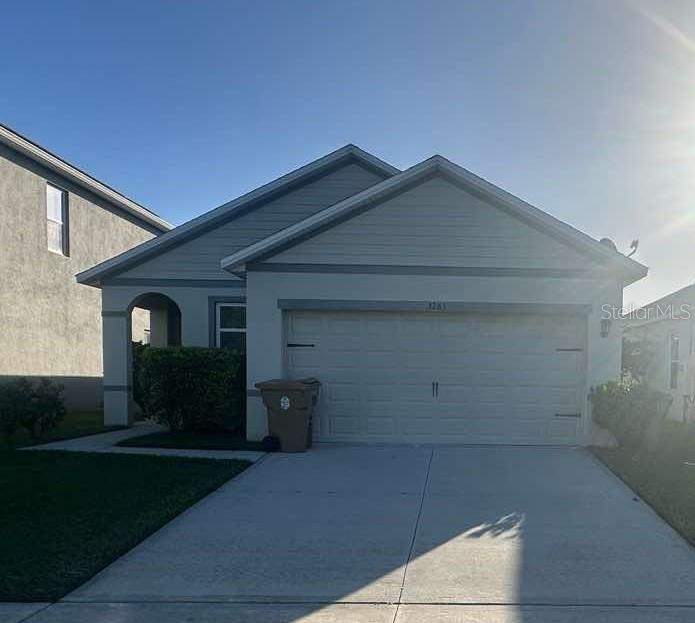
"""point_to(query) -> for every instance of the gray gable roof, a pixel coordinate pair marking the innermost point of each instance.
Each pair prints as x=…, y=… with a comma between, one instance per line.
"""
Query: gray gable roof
x=436, y=165
x=235, y=209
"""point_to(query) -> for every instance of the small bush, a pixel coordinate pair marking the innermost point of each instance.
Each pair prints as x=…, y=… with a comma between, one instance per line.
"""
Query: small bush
x=188, y=388
x=37, y=407
x=626, y=408
x=139, y=391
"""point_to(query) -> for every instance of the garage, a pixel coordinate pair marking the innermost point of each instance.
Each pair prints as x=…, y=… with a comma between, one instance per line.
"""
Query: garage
x=433, y=377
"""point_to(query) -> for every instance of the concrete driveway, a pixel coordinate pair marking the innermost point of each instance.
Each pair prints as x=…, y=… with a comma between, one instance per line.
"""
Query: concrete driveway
x=383, y=534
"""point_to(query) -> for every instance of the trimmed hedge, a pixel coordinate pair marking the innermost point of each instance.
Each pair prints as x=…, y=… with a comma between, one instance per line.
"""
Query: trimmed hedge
x=186, y=387
x=627, y=408
x=36, y=406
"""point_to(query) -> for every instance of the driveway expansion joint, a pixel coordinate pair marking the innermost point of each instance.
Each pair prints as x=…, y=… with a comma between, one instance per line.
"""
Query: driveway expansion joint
x=412, y=541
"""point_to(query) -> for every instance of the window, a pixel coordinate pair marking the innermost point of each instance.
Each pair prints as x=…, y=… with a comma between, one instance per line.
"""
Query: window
x=675, y=361
x=57, y=219
x=231, y=326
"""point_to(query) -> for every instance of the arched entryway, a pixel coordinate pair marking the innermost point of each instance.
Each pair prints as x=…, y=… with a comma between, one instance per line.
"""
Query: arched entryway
x=155, y=320
x=149, y=317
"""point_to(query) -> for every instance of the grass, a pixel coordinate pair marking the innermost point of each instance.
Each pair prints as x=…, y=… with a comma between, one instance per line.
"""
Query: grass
x=220, y=440
x=661, y=478
x=75, y=424
x=66, y=515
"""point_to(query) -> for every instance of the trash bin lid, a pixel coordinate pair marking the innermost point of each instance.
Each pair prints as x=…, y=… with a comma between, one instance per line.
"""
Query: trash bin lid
x=288, y=384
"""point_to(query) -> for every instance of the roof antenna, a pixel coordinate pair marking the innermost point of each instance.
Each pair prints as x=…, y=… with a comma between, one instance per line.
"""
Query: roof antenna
x=633, y=245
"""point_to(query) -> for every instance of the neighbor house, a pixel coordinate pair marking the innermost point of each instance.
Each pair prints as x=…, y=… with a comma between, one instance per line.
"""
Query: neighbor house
x=663, y=332
x=432, y=305
x=56, y=220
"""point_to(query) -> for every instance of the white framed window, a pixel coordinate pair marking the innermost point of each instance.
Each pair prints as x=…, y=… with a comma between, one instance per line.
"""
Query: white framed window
x=57, y=220
x=675, y=360
x=230, y=326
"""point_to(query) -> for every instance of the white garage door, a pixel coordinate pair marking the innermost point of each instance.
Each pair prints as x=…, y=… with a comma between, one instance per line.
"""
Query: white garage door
x=441, y=377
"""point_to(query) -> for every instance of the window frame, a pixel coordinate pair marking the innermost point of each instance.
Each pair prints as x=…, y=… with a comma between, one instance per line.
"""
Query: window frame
x=674, y=360
x=64, y=224
x=218, y=321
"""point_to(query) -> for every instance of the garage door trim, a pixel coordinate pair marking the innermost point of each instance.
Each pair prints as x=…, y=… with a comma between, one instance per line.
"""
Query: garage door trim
x=562, y=309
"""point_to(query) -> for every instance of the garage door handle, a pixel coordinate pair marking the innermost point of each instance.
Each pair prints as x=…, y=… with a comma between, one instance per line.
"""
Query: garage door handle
x=295, y=345
x=436, y=389
x=432, y=389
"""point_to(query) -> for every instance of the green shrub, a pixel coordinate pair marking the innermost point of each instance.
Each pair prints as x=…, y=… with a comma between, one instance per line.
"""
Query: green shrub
x=139, y=390
x=12, y=405
x=48, y=408
x=626, y=408
x=35, y=406
x=188, y=388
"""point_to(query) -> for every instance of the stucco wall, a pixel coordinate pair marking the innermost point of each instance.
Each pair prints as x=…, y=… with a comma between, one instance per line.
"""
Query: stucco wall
x=49, y=324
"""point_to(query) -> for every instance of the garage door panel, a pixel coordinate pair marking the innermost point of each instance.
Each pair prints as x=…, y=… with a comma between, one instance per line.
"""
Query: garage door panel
x=303, y=358
x=344, y=392
x=303, y=323
x=382, y=392
x=419, y=427
x=341, y=325
x=490, y=430
x=415, y=391
x=560, y=428
x=339, y=426
x=386, y=360
x=381, y=426
x=501, y=379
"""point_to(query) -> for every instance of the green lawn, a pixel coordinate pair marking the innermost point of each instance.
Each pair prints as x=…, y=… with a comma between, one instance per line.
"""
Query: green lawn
x=192, y=441
x=663, y=479
x=75, y=424
x=66, y=515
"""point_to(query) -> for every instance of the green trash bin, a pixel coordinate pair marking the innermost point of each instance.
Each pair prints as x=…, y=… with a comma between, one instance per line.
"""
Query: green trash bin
x=290, y=404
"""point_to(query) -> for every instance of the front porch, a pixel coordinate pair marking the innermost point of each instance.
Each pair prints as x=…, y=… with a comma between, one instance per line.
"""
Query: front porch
x=198, y=315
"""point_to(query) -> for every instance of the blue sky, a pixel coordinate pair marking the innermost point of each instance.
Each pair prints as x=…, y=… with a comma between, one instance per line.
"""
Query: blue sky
x=586, y=109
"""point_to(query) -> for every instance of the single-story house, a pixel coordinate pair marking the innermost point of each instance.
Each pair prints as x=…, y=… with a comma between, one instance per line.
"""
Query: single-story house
x=432, y=305
x=664, y=333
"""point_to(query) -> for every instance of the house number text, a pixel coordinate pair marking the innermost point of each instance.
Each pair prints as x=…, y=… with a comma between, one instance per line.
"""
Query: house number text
x=436, y=306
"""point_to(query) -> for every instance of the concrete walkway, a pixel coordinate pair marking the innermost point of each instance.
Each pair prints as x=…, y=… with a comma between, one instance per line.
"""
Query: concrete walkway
x=105, y=442
x=404, y=534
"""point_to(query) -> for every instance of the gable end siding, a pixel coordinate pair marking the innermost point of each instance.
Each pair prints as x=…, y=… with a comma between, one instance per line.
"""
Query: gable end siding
x=200, y=257
x=435, y=224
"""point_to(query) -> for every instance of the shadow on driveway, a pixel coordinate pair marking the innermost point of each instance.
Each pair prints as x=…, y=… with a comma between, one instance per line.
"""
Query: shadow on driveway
x=406, y=533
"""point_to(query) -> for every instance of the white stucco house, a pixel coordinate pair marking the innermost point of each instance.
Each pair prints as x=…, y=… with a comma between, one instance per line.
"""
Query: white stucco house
x=432, y=305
